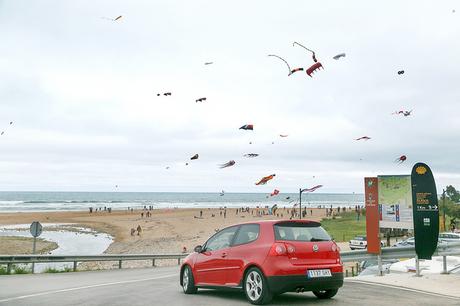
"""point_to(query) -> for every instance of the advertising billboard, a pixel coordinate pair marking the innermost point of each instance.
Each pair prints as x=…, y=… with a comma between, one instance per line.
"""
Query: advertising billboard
x=395, y=201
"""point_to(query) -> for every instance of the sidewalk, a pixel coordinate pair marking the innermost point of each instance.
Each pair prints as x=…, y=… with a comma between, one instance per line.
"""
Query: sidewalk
x=443, y=284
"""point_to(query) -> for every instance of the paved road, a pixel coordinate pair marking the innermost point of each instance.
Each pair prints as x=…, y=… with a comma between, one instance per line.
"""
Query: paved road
x=159, y=286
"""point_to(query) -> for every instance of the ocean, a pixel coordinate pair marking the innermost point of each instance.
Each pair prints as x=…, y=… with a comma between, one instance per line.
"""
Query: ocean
x=72, y=201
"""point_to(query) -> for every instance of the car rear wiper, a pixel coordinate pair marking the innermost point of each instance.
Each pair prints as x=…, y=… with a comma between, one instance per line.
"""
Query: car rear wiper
x=318, y=239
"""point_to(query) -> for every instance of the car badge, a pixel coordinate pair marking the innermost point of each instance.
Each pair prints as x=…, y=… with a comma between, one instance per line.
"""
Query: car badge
x=315, y=248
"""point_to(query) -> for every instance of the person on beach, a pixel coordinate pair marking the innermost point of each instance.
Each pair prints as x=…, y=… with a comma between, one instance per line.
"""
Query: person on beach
x=133, y=231
x=139, y=230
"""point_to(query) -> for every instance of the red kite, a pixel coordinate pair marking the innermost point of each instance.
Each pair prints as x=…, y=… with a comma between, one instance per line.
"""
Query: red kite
x=265, y=179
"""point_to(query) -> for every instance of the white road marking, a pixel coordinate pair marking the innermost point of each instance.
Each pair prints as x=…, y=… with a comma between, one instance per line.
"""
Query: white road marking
x=404, y=289
x=85, y=287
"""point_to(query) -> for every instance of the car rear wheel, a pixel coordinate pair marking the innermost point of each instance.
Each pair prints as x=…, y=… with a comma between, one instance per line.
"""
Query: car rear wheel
x=325, y=294
x=256, y=287
x=188, y=282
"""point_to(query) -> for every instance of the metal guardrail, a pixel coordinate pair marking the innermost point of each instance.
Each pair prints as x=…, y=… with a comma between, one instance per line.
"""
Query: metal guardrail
x=444, y=249
x=9, y=260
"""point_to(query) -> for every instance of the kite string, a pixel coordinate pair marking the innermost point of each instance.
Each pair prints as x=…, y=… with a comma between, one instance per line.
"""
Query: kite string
x=294, y=43
x=289, y=67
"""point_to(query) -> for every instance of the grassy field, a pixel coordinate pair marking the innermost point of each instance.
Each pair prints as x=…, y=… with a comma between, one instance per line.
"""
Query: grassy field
x=345, y=226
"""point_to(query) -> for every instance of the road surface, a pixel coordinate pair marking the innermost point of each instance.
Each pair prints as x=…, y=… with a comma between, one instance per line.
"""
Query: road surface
x=160, y=286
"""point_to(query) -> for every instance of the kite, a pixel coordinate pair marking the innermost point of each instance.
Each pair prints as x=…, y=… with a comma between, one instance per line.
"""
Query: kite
x=251, y=155
x=200, y=100
x=115, y=19
x=194, y=157
x=186, y=164
x=363, y=138
x=247, y=127
x=316, y=66
x=116, y=186
x=209, y=63
x=265, y=179
x=283, y=135
x=227, y=164
x=338, y=56
x=167, y=167
x=404, y=113
x=311, y=189
x=401, y=72
x=291, y=71
x=3, y=132
x=401, y=159
x=222, y=193
x=11, y=122
x=275, y=192
x=164, y=94
x=287, y=198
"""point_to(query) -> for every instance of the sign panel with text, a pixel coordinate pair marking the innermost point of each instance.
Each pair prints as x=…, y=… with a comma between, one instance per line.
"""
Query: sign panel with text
x=425, y=210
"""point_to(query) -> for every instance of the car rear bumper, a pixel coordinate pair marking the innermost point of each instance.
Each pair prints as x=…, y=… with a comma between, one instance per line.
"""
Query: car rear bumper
x=289, y=283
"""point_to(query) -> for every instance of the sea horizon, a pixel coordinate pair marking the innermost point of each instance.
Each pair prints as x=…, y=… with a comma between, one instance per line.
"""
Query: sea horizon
x=28, y=201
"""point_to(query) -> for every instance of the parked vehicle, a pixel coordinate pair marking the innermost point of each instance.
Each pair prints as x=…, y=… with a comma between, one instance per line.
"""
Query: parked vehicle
x=449, y=237
x=266, y=258
x=407, y=242
x=360, y=242
x=442, y=240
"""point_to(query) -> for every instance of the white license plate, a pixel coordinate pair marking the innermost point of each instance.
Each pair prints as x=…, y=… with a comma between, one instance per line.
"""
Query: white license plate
x=319, y=273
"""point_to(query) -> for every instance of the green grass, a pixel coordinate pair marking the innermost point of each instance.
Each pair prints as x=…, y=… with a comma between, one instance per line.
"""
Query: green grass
x=21, y=270
x=3, y=270
x=345, y=227
x=53, y=270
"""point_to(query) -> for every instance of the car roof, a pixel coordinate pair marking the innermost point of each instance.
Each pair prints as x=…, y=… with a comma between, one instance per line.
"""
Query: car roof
x=279, y=221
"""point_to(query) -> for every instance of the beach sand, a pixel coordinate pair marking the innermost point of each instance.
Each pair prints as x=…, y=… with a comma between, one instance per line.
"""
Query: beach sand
x=167, y=231
x=23, y=245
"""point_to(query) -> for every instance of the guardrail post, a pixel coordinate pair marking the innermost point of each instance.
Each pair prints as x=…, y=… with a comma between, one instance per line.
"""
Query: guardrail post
x=346, y=273
x=74, y=266
x=444, y=265
x=379, y=260
x=178, y=261
x=119, y=264
x=8, y=268
x=417, y=266
x=153, y=262
x=352, y=271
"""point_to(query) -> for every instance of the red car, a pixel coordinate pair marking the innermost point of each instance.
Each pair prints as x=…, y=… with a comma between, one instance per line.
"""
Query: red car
x=266, y=258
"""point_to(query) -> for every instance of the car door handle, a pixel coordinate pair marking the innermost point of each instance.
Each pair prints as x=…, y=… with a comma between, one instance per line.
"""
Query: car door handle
x=223, y=255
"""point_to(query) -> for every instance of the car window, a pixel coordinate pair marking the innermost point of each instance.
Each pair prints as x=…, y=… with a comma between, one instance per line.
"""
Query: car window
x=221, y=240
x=295, y=231
x=247, y=233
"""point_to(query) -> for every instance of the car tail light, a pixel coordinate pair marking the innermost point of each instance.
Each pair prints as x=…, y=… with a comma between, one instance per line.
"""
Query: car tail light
x=278, y=249
x=290, y=248
x=334, y=247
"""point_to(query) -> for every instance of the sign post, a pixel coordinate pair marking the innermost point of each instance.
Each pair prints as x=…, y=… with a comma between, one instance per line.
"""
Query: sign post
x=425, y=211
x=36, y=230
x=372, y=215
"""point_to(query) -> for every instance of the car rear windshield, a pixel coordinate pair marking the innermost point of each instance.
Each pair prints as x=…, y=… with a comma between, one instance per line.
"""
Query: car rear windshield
x=360, y=238
x=296, y=231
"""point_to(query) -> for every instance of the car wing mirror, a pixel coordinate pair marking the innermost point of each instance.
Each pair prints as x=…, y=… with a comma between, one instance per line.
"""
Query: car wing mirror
x=198, y=249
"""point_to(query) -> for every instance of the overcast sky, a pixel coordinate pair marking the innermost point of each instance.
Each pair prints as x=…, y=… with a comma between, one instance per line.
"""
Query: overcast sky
x=81, y=91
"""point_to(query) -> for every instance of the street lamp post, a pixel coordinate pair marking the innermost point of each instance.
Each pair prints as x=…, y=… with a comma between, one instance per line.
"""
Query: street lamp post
x=300, y=203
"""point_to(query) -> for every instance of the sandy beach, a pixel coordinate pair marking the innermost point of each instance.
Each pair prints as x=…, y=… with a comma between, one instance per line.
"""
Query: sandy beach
x=164, y=231
x=22, y=245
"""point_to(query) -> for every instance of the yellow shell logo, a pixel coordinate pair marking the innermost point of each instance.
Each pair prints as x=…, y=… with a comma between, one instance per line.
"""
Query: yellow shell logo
x=420, y=170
